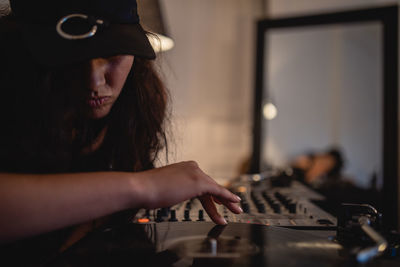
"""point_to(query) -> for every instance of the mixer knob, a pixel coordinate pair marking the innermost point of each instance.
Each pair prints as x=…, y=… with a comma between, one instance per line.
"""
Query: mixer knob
x=147, y=214
x=226, y=217
x=165, y=212
x=261, y=207
x=201, y=215
x=245, y=207
x=159, y=217
x=276, y=207
x=186, y=215
x=173, y=216
x=292, y=207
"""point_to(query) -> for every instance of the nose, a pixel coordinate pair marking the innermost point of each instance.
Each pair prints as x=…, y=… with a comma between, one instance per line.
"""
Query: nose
x=97, y=68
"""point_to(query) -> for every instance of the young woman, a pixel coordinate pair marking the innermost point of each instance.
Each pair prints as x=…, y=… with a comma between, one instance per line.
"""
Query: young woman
x=82, y=115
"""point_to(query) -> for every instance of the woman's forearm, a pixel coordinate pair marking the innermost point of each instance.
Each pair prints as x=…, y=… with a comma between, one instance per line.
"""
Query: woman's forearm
x=31, y=204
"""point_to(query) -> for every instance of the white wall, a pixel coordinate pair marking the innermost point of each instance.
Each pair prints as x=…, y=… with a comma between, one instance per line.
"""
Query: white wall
x=210, y=74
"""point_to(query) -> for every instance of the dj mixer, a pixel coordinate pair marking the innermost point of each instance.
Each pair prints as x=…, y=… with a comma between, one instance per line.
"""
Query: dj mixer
x=280, y=225
x=261, y=202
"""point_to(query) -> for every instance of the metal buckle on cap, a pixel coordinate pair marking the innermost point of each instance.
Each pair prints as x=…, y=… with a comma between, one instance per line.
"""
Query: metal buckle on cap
x=65, y=35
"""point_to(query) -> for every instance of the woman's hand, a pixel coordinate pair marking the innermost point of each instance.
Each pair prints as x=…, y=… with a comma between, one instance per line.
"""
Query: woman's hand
x=169, y=185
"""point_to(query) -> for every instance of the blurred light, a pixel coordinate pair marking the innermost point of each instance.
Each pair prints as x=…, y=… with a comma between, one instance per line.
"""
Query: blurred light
x=270, y=111
x=289, y=171
x=256, y=177
x=160, y=42
x=314, y=245
x=152, y=21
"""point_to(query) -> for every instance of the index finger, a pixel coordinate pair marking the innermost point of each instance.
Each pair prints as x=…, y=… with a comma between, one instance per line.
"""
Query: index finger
x=221, y=193
x=211, y=210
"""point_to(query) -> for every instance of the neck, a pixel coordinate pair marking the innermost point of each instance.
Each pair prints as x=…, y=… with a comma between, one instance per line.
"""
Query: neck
x=96, y=131
x=97, y=142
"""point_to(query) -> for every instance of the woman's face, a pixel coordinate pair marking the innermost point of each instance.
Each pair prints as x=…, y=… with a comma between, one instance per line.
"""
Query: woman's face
x=100, y=82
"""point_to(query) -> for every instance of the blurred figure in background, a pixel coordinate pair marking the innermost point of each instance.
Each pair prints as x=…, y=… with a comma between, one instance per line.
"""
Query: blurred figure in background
x=318, y=168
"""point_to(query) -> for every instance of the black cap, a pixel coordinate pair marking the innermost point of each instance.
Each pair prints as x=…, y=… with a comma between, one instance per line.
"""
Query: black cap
x=68, y=31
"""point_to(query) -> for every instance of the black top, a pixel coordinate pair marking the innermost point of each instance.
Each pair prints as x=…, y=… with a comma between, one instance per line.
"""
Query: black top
x=14, y=158
x=38, y=250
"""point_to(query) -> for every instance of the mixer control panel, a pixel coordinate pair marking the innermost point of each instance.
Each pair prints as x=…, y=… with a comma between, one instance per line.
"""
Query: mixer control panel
x=261, y=203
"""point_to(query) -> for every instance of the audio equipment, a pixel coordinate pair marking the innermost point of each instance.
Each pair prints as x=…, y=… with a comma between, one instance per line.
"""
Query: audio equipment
x=262, y=203
x=280, y=225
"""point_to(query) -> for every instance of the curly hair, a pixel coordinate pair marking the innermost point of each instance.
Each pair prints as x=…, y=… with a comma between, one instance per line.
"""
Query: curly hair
x=43, y=131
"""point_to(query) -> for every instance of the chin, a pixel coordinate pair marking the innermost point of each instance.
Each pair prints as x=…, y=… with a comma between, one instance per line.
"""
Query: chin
x=97, y=114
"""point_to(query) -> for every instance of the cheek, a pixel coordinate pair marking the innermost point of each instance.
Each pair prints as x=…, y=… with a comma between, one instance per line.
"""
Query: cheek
x=117, y=80
x=117, y=83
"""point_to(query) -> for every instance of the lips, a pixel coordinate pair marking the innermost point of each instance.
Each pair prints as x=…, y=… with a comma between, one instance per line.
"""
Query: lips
x=95, y=102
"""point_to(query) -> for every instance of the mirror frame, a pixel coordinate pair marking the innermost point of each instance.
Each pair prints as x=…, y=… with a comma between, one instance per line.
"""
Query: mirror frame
x=388, y=17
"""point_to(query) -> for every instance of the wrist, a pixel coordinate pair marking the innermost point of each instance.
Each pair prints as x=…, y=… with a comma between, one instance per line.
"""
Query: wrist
x=137, y=192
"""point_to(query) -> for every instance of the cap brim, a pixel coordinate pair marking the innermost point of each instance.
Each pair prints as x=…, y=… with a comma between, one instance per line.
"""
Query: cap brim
x=49, y=48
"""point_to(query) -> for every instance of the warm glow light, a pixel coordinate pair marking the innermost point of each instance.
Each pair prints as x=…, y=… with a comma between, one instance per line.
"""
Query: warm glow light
x=270, y=111
x=241, y=189
x=143, y=220
x=160, y=43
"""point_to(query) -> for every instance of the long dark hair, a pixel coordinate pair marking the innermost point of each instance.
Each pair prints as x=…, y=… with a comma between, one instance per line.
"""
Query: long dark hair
x=43, y=132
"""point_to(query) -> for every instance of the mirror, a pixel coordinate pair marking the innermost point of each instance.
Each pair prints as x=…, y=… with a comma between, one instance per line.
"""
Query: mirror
x=326, y=84
x=326, y=104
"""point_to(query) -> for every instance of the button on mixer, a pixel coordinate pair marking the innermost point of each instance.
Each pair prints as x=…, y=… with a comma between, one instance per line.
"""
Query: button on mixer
x=276, y=207
x=291, y=207
x=186, y=215
x=261, y=207
x=201, y=215
x=245, y=207
x=159, y=217
x=165, y=212
x=173, y=216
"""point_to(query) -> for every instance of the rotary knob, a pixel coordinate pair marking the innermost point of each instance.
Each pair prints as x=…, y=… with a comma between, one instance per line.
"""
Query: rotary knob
x=201, y=215
x=186, y=215
x=173, y=216
x=159, y=217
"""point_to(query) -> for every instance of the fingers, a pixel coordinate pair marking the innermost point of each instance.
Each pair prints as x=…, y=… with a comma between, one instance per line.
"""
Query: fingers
x=208, y=203
x=235, y=208
x=193, y=182
x=211, y=210
x=221, y=194
x=216, y=200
